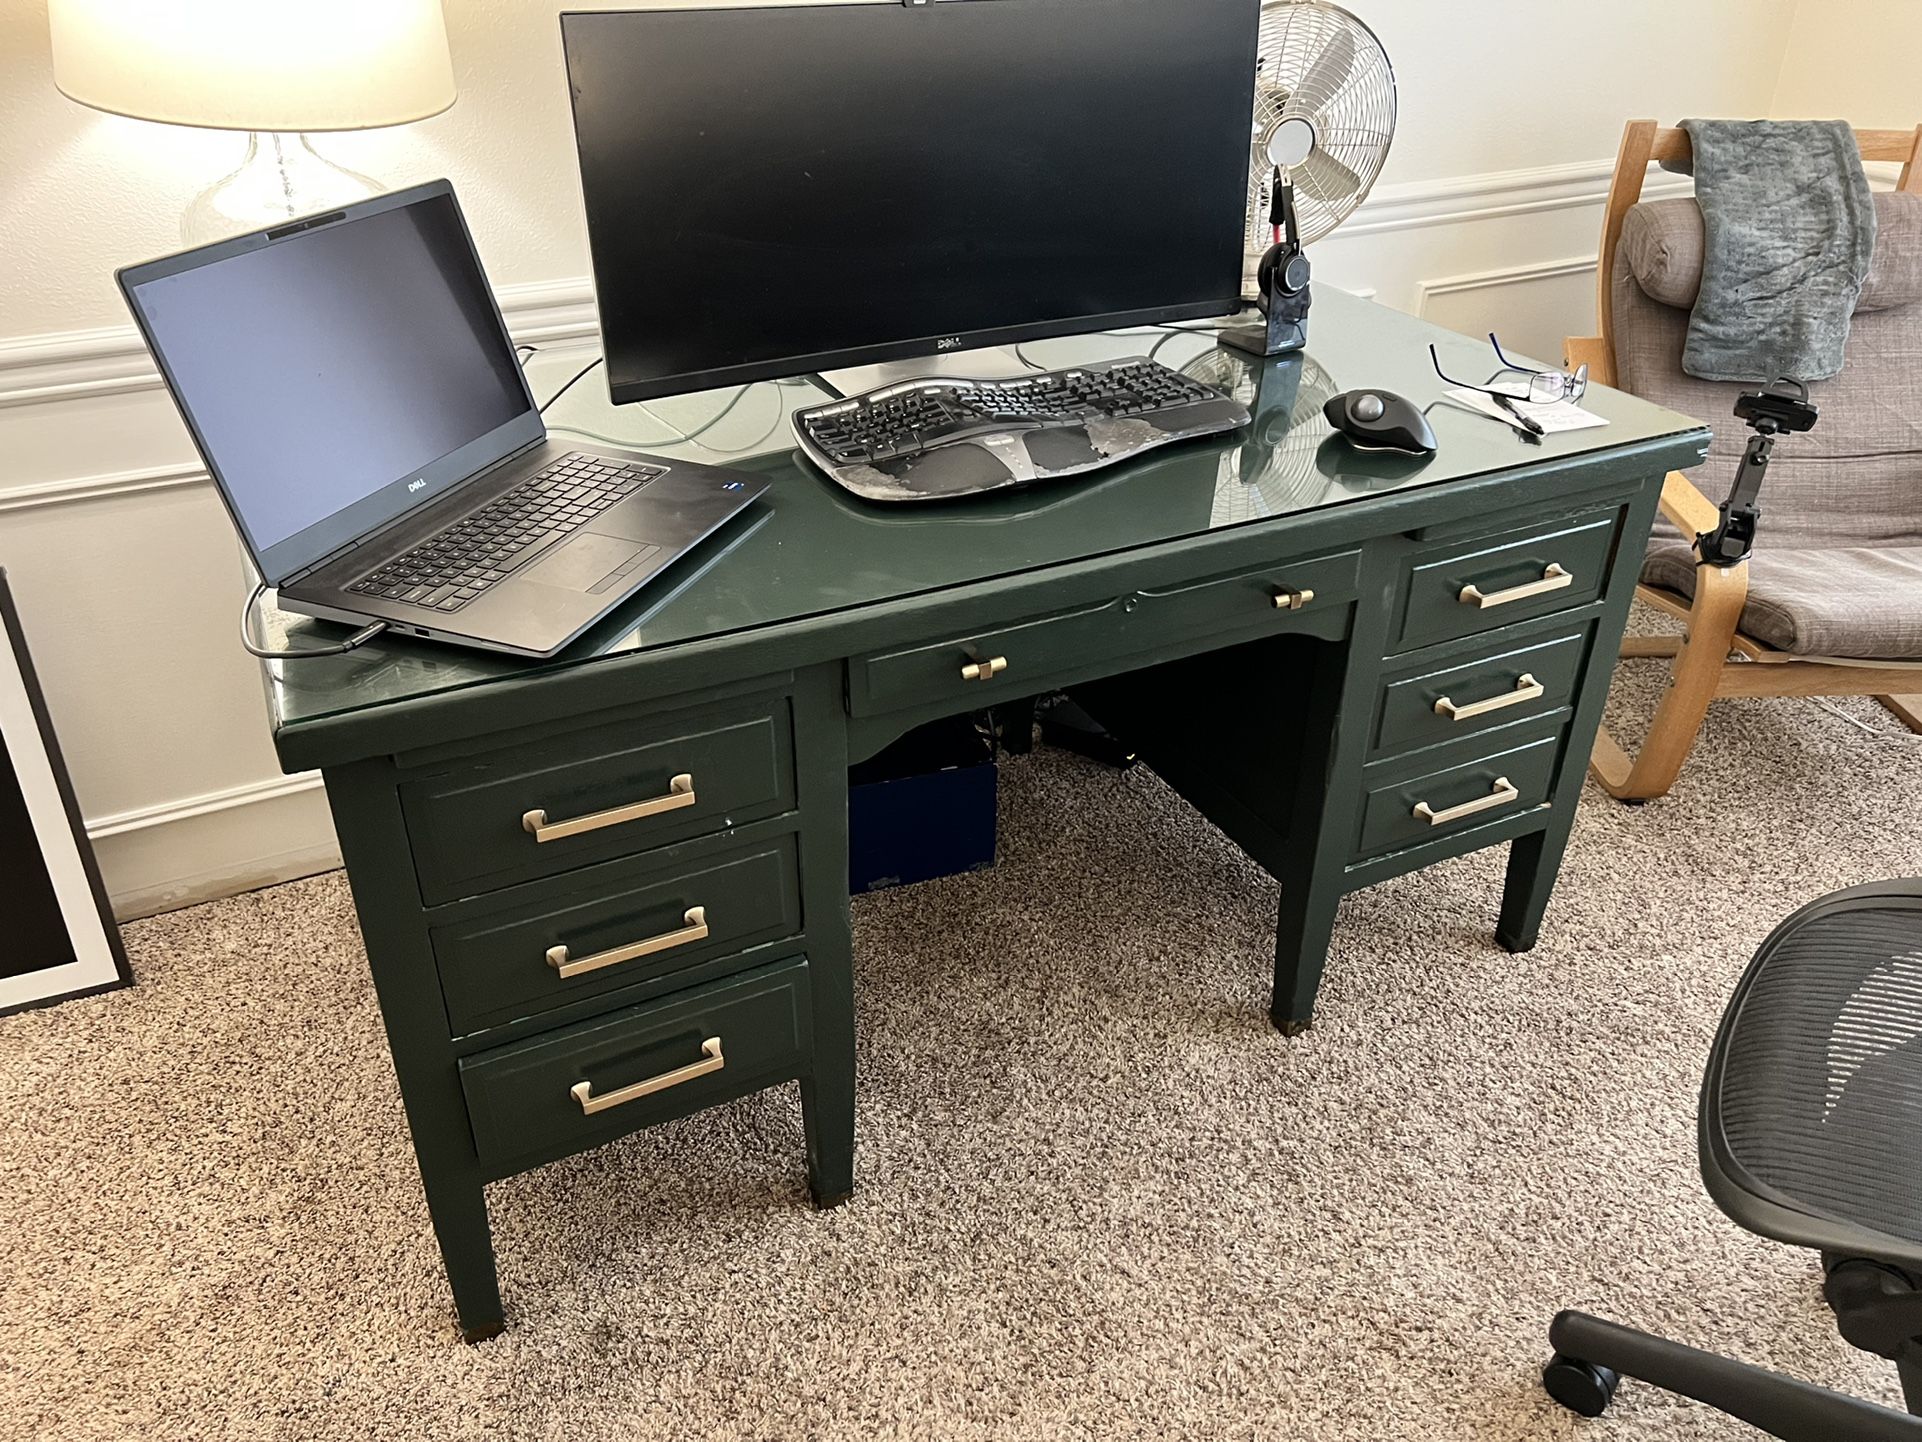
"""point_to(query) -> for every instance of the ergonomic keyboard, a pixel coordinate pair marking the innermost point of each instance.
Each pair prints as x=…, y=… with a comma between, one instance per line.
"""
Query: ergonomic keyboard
x=935, y=439
x=478, y=551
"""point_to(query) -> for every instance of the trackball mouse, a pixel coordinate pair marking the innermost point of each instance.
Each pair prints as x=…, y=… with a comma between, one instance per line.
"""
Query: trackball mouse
x=1381, y=421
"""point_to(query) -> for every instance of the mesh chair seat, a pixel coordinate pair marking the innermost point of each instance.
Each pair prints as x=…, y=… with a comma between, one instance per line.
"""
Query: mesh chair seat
x=1811, y=1119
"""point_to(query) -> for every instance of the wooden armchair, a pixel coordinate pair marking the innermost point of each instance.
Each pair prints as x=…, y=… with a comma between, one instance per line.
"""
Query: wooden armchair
x=1830, y=603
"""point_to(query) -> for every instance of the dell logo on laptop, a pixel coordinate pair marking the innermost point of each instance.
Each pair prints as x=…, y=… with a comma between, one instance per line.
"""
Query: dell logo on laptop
x=952, y=342
x=413, y=486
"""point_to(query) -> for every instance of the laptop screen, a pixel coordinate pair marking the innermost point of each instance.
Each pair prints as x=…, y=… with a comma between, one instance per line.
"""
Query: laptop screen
x=337, y=373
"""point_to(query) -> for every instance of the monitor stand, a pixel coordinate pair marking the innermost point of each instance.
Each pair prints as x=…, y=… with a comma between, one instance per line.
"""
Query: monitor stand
x=992, y=363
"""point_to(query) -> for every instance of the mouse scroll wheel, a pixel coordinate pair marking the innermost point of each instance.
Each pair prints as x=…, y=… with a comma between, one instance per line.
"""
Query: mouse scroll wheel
x=1369, y=408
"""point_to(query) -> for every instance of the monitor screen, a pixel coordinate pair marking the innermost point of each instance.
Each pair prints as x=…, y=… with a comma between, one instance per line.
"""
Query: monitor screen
x=338, y=374
x=791, y=189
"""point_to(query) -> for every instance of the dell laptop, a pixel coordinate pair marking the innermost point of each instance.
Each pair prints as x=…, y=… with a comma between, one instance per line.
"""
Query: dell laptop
x=353, y=390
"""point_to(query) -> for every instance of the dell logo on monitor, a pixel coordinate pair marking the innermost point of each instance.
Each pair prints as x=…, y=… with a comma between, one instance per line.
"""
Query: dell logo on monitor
x=413, y=486
x=952, y=342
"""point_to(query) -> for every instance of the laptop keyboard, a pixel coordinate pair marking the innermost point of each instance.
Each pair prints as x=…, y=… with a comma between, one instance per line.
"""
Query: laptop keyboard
x=478, y=552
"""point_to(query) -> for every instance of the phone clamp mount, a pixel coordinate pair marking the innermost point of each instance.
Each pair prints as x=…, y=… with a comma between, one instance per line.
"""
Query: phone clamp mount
x=1780, y=407
x=1285, y=296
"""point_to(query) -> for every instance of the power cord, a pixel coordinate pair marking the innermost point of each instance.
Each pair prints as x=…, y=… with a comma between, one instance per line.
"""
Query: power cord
x=254, y=648
x=572, y=381
x=1168, y=333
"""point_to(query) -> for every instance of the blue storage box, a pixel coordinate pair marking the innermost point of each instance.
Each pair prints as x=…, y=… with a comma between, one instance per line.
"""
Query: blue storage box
x=923, y=808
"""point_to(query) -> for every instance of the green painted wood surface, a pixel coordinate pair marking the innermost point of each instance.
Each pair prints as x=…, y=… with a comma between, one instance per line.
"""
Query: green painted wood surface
x=825, y=627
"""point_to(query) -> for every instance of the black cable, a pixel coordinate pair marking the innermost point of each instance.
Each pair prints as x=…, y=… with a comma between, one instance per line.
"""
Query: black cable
x=254, y=648
x=571, y=383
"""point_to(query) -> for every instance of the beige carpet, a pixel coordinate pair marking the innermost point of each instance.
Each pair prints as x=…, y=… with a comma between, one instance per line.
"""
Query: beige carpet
x=1099, y=1196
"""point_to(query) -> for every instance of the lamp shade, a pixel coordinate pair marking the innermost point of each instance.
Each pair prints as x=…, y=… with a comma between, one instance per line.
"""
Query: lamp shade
x=255, y=64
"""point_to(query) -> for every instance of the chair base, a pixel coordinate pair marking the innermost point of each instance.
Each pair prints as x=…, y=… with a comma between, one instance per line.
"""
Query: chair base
x=1592, y=1356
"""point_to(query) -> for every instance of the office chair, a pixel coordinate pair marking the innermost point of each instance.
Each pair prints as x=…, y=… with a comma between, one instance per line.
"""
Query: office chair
x=1811, y=1134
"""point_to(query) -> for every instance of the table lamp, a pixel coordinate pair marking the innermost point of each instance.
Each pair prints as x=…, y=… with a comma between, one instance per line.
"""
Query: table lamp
x=277, y=69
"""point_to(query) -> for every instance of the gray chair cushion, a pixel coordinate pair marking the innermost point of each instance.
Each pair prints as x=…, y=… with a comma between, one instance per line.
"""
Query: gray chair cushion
x=1662, y=243
x=1855, y=602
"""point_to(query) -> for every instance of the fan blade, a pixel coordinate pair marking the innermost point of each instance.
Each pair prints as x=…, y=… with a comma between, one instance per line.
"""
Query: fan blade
x=1329, y=71
x=1331, y=181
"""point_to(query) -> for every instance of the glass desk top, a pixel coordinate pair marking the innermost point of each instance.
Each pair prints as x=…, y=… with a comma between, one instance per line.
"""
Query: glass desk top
x=808, y=548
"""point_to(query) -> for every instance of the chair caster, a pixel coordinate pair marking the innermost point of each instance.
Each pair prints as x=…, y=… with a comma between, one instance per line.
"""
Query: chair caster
x=1580, y=1386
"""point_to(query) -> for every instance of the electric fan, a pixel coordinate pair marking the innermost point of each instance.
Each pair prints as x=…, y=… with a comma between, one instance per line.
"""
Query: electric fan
x=1324, y=118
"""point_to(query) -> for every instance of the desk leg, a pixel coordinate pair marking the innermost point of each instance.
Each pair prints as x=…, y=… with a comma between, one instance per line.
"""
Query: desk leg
x=827, y=1092
x=458, y=1206
x=373, y=841
x=1302, y=934
x=1325, y=821
x=1534, y=862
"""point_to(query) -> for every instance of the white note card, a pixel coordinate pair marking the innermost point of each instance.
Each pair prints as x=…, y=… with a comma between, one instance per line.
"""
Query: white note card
x=1553, y=418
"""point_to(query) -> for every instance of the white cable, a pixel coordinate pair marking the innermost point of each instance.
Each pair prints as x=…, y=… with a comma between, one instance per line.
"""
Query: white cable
x=1876, y=732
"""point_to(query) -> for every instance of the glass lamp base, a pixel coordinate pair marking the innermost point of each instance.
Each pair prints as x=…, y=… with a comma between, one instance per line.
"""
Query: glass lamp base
x=282, y=177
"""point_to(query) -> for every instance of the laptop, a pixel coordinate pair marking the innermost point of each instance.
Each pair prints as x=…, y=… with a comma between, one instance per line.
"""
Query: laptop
x=353, y=390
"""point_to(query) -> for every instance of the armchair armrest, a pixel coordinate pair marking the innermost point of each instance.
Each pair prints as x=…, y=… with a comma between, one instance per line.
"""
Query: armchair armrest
x=1591, y=351
x=1691, y=511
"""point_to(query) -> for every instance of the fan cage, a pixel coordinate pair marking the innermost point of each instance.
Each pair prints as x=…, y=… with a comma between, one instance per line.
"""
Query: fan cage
x=1318, y=62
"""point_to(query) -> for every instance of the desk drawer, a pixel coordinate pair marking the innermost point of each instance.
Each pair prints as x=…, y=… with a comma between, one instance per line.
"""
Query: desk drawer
x=586, y=1084
x=620, y=929
x=1400, y=814
x=1023, y=659
x=1480, y=585
x=605, y=792
x=1467, y=698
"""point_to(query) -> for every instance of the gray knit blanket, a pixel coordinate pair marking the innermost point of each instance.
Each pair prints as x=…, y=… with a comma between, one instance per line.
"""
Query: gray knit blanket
x=1789, y=228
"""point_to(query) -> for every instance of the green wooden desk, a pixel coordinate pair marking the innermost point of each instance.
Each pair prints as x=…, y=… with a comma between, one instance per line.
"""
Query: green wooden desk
x=609, y=890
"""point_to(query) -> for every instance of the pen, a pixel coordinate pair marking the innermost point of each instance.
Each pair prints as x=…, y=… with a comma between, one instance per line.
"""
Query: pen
x=1528, y=423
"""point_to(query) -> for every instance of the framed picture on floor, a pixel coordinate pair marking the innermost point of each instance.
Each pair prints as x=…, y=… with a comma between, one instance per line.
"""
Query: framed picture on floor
x=57, y=934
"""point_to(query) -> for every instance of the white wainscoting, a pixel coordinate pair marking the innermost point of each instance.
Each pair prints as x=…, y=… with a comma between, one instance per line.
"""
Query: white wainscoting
x=128, y=579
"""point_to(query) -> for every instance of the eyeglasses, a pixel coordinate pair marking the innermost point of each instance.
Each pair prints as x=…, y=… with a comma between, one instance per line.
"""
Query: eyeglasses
x=1519, y=382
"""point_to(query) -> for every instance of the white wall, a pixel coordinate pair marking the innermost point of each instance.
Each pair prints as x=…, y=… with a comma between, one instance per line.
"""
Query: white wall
x=124, y=565
x=1857, y=61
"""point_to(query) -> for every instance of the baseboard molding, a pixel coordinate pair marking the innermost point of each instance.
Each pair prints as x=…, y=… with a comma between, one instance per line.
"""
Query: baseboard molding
x=163, y=857
x=207, y=804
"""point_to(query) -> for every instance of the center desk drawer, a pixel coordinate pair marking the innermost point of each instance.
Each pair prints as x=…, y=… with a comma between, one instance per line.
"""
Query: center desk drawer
x=619, y=925
x=482, y=823
x=1480, y=585
x=586, y=1084
x=1016, y=660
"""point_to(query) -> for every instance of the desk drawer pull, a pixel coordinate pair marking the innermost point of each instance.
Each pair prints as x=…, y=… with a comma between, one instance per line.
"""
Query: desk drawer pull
x=1554, y=578
x=694, y=929
x=1502, y=795
x=984, y=670
x=680, y=793
x=1527, y=689
x=1289, y=599
x=711, y=1062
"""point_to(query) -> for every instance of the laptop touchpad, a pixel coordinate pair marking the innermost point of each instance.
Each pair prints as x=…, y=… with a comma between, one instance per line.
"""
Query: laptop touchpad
x=584, y=562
